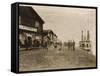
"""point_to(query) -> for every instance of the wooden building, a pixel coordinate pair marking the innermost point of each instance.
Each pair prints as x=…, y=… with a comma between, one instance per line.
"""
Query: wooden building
x=49, y=38
x=30, y=27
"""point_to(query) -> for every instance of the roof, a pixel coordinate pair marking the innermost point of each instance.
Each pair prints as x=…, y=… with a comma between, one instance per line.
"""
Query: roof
x=29, y=12
x=48, y=31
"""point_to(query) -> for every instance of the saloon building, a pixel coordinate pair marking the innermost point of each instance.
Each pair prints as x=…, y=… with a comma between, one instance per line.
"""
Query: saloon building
x=30, y=27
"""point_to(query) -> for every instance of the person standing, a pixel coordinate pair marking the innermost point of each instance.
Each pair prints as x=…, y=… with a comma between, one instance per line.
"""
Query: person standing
x=73, y=45
x=69, y=45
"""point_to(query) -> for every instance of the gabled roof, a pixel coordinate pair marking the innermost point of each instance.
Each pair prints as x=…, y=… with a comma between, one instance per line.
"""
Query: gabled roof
x=29, y=12
x=48, y=31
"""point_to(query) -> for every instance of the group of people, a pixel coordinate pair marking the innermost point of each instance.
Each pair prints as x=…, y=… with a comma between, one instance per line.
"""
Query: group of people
x=71, y=45
x=28, y=43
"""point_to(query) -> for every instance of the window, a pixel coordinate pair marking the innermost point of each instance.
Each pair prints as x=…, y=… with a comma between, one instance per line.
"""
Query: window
x=37, y=24
x=83, y=45
x=19, y=19
x=87, y=45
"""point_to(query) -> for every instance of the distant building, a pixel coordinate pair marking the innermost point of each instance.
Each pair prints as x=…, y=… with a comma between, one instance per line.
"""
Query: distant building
x=30, y=27
x=49, y=38
x=85, y=42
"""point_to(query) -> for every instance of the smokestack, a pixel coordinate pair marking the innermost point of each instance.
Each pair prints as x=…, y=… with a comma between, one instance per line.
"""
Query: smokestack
x=88, y=36
x=82, y=36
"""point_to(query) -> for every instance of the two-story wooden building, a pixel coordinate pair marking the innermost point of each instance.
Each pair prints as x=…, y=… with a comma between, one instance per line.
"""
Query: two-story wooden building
x=49, y=38
x=30, y=27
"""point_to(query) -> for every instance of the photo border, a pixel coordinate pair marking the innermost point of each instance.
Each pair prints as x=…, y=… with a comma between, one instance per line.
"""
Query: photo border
x=55, y=5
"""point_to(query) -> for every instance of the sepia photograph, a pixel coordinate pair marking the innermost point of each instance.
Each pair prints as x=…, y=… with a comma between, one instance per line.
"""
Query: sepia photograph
x=56, y=37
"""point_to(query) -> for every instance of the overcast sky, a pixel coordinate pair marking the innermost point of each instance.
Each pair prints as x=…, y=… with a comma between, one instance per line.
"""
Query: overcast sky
x=67, y=23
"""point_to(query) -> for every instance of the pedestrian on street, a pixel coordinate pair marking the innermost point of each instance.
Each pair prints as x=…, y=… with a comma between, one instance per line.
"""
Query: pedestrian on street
x=73, y=45
x=69, y=45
